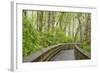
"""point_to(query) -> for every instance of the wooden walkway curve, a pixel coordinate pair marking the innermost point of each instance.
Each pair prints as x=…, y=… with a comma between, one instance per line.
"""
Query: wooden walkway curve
x=60, y=52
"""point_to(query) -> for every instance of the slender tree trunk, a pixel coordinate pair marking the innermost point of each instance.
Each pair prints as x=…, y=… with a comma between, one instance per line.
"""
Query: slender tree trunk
x=39, y=21
x=49, y=21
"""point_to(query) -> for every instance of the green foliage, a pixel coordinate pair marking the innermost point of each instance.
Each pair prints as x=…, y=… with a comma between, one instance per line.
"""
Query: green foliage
x=49, y=38
x=69, y=39
x=86, y=46
x=62, y=38
x=30, y=39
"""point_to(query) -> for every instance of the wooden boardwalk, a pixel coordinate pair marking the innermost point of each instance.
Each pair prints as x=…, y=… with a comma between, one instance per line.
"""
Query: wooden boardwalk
x=60, y=52
x=64, y=55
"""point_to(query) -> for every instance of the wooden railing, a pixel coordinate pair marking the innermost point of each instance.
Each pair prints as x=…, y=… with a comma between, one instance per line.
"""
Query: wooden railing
x=39, y=56
x=80, y=53
x=46, y=54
